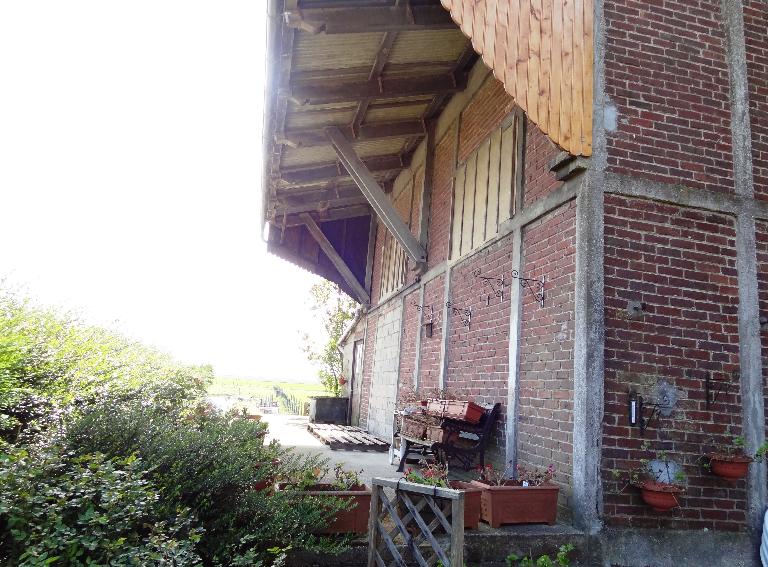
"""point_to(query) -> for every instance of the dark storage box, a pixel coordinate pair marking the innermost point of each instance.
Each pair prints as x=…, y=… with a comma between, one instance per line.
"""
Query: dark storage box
x=328, y=409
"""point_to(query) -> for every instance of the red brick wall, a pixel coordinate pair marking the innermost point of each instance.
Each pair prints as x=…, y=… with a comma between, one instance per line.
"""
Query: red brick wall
x=368, y=352
x=545, y=379
x=666, y=73
x=429, y=369
x=483, y=115
x=762, y=282
x=442, y=191
x=682, y=264
x=755, y=26
x=539, y=152
x=478, y=355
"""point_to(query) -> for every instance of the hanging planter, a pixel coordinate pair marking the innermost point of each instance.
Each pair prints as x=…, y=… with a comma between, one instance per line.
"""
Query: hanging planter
x=730, y=467
x=660, y=496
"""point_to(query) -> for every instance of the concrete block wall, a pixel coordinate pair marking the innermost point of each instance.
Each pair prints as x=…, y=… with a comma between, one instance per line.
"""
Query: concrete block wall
x=384, y=375
x=409, y=342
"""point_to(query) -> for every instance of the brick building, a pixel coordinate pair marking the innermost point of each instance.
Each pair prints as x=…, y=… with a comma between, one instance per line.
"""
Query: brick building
x=574, y=194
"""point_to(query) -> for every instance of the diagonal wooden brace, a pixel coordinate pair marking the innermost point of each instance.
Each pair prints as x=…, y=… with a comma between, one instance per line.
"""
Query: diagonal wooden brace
x=326, y=246
x=376, y=196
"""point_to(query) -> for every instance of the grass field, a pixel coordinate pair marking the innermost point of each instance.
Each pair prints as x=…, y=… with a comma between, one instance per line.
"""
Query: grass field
x=295, y=395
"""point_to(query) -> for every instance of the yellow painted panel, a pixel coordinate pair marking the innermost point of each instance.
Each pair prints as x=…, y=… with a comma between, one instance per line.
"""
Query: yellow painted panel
x=494, y=162
x=507, y=173
x=469, y=205
x=481, y=195
x=458, y=212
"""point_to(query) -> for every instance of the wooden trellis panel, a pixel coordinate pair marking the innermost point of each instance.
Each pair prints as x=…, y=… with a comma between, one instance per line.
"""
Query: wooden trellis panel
x=401, y=535
x=542, y=51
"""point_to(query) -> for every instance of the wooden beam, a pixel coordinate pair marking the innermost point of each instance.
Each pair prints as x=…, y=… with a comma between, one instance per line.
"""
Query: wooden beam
x=296, y=196
x=376, y=196
x=330, y=215
x=382, y=55
x=326, y=246
x=429, y=67
x=370, y=19
x=426, y=193
x=371, y=253
x=341, y=91
x=332, y=170
x=319, y=206
x=377, y=130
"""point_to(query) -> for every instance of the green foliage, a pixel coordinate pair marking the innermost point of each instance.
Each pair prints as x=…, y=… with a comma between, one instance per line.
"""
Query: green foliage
x=204, y=460
x=49, y=360
x=336, y=310
x=561, y=559
x=62, y=509
x=431, y=474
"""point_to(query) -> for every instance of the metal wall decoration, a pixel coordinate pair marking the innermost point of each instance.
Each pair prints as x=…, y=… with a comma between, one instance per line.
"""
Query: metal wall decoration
x=464, y=312
x=428, y=320
x=637, y=407
x=495, y=286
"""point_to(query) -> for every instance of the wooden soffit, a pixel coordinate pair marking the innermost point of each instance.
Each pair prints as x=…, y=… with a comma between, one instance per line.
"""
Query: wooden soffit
x=542, y=51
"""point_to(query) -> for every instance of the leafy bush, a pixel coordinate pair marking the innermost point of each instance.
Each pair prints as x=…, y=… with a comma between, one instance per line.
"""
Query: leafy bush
x=58, y=508
x=206, y=461
x=49, y=359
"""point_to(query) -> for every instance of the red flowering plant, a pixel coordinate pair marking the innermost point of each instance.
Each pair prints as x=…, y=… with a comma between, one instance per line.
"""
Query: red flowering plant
x=432, y=474
x=523, y=475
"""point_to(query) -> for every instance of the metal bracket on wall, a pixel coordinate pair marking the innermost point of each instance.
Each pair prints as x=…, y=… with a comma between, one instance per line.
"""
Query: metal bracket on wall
x=464, y=312
x=428, y=311
x=495, y=285
x=714, y=387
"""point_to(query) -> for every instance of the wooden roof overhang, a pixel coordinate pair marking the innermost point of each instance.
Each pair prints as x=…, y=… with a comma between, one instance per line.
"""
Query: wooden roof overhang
x=352, y=84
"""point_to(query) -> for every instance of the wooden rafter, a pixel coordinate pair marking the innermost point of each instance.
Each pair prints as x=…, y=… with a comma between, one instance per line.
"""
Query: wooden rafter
x=329, y=171
x=317, y=137
x=320, y=206
x=298, y=77
x=369, y=19
x=329, y=215
x=376, y=196
x=383, y=88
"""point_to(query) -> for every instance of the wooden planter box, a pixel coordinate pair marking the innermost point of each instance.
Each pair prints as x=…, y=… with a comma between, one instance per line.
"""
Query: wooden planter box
x=472, y=503
x=514, y=504
x=456, y=409
x=351, y=521
x=413, y=428
x=437, y=434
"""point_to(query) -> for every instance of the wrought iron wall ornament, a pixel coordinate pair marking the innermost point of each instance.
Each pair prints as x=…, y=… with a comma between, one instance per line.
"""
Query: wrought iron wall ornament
x=464, y=312
x=495, y=285
x=637, y=407
x=429, y=323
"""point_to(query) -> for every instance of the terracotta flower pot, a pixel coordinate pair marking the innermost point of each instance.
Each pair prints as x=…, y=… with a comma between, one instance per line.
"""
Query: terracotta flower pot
x=268, y=481
x=472, y=503
x=660, y=496
x=515, y=504
x=351, y=521
x=730, y=467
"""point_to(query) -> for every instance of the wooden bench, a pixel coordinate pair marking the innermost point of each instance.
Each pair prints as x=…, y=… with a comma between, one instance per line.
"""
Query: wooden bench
x=467, y=441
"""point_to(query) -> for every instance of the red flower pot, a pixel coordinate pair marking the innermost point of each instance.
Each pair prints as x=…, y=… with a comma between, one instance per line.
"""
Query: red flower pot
x=659, y=496
x=472, y=503
x=730, y=467
x=515, y=504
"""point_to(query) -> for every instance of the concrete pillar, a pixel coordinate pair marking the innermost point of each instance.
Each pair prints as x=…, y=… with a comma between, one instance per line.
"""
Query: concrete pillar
x=515, y=312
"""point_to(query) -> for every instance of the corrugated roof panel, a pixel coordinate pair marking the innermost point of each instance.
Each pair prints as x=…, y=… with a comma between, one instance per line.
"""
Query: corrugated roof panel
x=297, y=120
x=435, y=45
x=338, y=51
x=323, y=154
x=390, y=114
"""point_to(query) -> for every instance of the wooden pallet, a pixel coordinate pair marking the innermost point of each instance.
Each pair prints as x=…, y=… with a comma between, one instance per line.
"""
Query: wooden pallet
x=346, y=437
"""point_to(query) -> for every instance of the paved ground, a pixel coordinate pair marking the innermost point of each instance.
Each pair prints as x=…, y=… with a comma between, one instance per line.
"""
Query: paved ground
x=291, y=431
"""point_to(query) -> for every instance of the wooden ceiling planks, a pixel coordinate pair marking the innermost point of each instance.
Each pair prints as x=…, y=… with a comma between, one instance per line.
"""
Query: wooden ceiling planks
x=542, y=51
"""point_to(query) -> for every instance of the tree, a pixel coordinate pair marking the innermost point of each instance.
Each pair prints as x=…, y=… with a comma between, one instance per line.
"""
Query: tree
x=335, y=310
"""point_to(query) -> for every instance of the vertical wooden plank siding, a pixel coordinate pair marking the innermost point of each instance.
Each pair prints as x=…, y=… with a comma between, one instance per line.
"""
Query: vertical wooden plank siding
x=494, y=163
x=506, y=173
x=458, y=212
x=481, y=195
x=542, y=51
x=469, y=205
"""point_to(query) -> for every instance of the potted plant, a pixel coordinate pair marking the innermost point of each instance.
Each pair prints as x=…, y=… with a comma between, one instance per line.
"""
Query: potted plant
x=660, y=481
x=437, y=475
x=530, y=498
x=352, y=518
x=731, y=462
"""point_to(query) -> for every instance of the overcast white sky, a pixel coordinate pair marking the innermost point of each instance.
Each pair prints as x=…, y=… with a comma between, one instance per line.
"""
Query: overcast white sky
x=130, y=173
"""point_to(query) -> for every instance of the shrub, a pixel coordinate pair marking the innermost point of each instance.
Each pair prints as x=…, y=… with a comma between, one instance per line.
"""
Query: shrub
x=59, y=508
x=206, y=460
